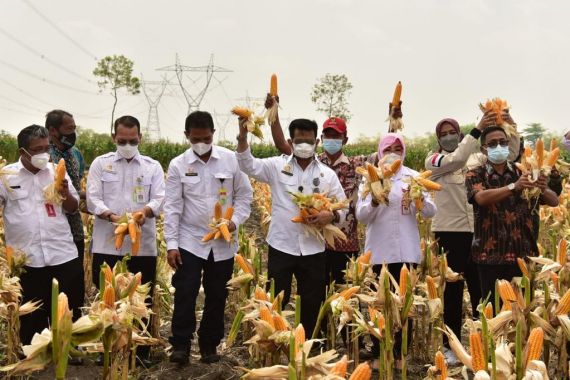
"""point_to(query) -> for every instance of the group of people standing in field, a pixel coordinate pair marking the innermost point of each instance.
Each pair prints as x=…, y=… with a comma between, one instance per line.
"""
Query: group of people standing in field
x=479, y=217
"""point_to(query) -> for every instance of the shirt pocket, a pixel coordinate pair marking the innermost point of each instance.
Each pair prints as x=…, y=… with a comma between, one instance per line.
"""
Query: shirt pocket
x=288, y=182
x=111, y=183
x=191, y=185
x=19, y=197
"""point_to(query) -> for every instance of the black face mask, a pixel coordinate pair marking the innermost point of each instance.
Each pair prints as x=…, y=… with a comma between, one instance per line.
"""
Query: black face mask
x=68, y=140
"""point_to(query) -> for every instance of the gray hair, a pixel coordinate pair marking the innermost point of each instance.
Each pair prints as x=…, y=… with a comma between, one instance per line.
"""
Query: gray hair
x=30, y=133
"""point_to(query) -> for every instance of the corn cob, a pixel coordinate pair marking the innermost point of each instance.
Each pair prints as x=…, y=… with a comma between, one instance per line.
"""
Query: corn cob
x=229, y=213
x=242, y=112
x=279, y=323
x=297, y=219
x=522, y=267
x=218, y=234
x=552, y=157
x=109, y=297
x=507, y=294
x=441, y=365
x=564, y=304
x=339, y=368
x=299, y=338
x=373, y=313
x=562, y=246
x=136, y=246
x=554, y=278
x=122, y=228
x=429, y=185
x=138, y=217
x=553, y=144
x=243, y=264
x=108, y=272
x=527, y=152
x=488, y=311
x=372, y=173
x=209, y=236
x=265, y=315
x=259, y=294
x=132, y=231
x=225, y=232
x=478, y=361
x=362, y=260
x=534, y=345
x=273, y=85
x=403, y=280
x=432, y=290
x=362, y=372
x=349, y=292
x=217, y=210
x=392, y=169
x=9, y=256
x=59, y=174
x=397, y=95
x=522, y=168
x=426, y=174
x=539, y=149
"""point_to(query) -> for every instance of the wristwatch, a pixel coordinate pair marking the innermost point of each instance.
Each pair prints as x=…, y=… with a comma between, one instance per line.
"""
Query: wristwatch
x=240, y=138
x=511, y=187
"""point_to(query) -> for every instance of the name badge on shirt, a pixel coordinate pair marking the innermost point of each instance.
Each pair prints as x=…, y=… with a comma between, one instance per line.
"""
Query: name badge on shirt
x=50, y=210
x=138, y=194
x=223, y=196
x=405, y=206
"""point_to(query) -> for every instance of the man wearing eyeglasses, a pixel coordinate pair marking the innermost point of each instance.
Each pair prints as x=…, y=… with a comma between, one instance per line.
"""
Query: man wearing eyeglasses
x=503, y=219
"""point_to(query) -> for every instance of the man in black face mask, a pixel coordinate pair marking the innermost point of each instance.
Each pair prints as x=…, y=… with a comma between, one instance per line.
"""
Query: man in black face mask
x=61, y=127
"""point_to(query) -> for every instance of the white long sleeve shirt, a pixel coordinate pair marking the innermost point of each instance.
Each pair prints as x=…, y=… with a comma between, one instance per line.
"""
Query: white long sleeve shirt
x=391, y=233
x=39, y=229
x=284, y=175
x=192, y=189
x=115, y=185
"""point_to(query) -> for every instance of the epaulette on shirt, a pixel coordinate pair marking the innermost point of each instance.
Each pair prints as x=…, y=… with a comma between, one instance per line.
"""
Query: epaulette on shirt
x=436, y=160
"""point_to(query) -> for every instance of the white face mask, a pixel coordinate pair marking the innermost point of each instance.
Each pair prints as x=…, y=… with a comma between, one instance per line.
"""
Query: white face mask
x=304, y=150
x=201, y=148
x=39, y=161
x=128, y=151
x=391, y=157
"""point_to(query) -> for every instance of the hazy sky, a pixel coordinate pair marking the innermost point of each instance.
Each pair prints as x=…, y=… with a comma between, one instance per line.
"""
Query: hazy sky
x=449, y=54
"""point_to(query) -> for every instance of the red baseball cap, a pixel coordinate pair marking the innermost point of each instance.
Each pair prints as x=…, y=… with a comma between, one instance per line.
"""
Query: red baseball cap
x=335, y=123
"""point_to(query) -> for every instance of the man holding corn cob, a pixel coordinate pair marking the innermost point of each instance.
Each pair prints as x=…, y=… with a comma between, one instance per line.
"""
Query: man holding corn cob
x=503, y=219
x=40, y=228
x=291, y=250
x=125, y=187
x=207, y=198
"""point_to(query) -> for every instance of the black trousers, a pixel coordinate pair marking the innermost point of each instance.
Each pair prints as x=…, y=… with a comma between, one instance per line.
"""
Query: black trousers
x=36, y=286
x=186, y=280
x=489, y=274
x=457, y=245
x=394, y=270
x=309, y=271
x=335, y=265
x=80, y=244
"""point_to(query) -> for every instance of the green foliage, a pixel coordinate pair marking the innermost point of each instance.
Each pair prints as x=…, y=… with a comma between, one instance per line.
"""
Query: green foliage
x=116, y=72
x=533, y=131
x=330, y=94
x=8, y=147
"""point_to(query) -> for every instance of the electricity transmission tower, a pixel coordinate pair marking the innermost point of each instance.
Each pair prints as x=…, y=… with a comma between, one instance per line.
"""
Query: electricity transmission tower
x=195, y=100
x=153, y=91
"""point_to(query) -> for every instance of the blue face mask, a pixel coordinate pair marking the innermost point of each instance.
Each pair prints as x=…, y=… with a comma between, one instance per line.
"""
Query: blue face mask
x=332, y=146
x=498, y=154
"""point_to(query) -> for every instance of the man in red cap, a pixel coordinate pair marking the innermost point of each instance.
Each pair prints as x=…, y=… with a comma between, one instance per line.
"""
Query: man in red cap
x=333, y=138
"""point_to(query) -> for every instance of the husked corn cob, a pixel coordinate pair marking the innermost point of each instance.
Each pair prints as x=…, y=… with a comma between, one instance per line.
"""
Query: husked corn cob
x=428, y=184
x=349, y=292
x=564, y=304
x=432, y=290
x=372, y=173
x=218, y=210
x=539, y=152
x=132, y=231
x=522, y=267
x=224, y=230
x=340, y=367
x=534, y=345
x=265, y=315
x=136, y=245
x=477, y=356
x=553, y=144
x=122, y=228
x=553, y=157
x=441, y=365
x=299, y=338
x=273, y=85
x=397, y=95
x=362, y=372
x=507, y=294
x=109, y=297
x=489, y=310
x=403, y=280
x=260, y=294
x=280, y=323
x=243, y=264
x=59, y=174
x=562, y=247
x=209, y=236
x=242, y=112
x=229, y=213
x=426, y=174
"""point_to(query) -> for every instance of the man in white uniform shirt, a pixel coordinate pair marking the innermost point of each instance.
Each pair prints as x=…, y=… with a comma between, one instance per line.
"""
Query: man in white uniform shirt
x=291, y=250
x=197, y=179
x=40, y=229
x=120, y=182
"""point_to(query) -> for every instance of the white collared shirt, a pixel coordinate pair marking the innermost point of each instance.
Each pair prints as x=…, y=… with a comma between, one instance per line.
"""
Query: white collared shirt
x=284, y=175
x=192, y=189
x=115, y=185
x=391, y=232
x=40, y=230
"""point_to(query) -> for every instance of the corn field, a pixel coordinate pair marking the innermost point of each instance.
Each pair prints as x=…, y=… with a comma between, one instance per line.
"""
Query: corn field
x=521, y=334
